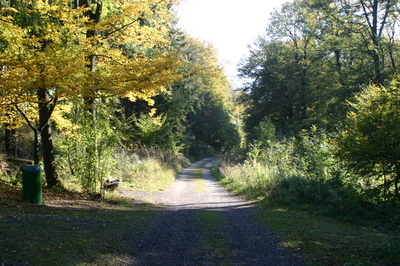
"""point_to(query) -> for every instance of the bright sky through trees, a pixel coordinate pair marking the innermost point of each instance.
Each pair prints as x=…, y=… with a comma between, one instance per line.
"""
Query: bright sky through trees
x=230, y=25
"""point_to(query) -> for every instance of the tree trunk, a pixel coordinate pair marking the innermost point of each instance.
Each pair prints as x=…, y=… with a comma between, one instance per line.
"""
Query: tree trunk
x=396, y=183
x=48, y=157
x=9, y=141
x=45, y=110
x=36, y=147
x=371, y=8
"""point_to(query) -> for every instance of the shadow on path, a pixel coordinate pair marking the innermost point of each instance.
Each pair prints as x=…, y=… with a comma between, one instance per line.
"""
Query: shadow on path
x=211, y=227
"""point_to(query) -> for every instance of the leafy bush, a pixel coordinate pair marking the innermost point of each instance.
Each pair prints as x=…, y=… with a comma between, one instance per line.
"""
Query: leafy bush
x=304, y=173
x=91, y=150
x=10, y=171
x=369, y=142
x=145, y=168
x=88, y=145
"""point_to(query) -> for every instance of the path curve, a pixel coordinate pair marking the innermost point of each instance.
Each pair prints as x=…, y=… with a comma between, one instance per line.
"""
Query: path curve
x=203, y=224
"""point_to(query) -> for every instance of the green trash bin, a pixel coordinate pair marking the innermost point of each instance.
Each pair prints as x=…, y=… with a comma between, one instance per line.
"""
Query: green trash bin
x=32, y=184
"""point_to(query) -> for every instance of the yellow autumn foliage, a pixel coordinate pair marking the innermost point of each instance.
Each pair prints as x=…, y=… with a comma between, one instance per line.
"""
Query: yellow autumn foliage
x=45, y=45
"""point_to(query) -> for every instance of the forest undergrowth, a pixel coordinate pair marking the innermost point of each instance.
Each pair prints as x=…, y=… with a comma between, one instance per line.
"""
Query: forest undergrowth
x=145, y=168
x=307, y=195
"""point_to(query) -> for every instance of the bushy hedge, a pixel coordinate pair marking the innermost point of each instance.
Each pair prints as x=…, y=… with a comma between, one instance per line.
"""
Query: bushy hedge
x=304, y=173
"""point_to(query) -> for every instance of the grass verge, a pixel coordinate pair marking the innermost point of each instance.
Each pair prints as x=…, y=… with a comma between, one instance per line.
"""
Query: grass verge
x=327, y=241
x=69, y=229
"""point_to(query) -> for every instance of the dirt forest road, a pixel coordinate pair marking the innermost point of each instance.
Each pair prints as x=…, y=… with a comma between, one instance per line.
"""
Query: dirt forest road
x=203, y=224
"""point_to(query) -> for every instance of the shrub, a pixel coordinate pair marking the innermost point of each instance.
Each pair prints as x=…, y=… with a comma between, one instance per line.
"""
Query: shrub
x=140, y=168
x=369, y=141
x=304, y=173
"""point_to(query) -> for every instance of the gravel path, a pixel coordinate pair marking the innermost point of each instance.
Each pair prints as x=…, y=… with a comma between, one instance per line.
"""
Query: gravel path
x=203, y=224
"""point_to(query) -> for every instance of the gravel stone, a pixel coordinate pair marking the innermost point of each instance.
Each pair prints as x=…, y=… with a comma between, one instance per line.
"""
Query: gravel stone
x=177, y=237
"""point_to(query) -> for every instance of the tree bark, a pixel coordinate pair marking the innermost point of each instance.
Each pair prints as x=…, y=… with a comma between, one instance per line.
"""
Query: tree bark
x=36, y=146
x=45, y=110
x=9, y=141
x=372, y=16
x=48, y=157
x=396, y=183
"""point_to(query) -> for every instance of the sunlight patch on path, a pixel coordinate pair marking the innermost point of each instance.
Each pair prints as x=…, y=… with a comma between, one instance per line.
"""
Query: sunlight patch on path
x=185, y=192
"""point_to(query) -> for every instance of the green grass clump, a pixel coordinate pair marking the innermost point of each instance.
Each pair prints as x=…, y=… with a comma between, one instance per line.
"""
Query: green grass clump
x=327, y=241
x=141, y=169
x=199, y=182
x=247, y=179
x=147, y=174
x=147, y=169
x=212, y=240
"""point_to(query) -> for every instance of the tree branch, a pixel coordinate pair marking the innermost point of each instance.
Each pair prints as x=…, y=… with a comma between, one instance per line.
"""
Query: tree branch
x=130, y=23
x=26, y=118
